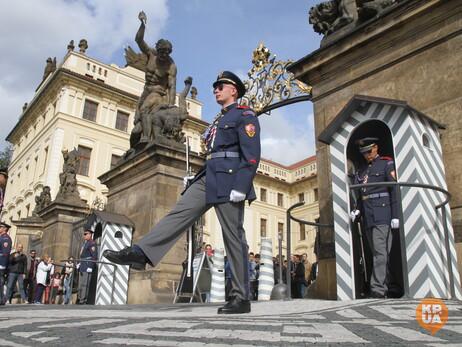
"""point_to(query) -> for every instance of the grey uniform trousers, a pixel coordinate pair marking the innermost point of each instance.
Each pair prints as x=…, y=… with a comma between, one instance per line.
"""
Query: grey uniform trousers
x=188, y=209
x=84, y=286
x=380, y=239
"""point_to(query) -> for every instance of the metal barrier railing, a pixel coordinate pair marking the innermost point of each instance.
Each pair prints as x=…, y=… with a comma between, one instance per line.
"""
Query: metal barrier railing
x=288, y=241
x=395, y=185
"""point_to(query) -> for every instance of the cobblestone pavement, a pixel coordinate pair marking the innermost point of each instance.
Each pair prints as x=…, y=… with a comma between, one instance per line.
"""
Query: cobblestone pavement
x=275, y=323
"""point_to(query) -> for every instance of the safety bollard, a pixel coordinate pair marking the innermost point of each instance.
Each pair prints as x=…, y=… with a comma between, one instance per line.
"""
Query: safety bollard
x=217, y=291
x=266, y=277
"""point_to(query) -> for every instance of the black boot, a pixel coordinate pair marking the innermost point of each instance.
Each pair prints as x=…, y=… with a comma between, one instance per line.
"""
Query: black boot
x=235, y=306
x=128, y=256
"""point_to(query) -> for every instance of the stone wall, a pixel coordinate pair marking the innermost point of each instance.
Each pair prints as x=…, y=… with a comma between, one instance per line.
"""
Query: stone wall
x=412, y=53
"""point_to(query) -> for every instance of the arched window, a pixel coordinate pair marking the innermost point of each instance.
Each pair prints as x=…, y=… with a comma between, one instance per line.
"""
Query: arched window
x=426, y=140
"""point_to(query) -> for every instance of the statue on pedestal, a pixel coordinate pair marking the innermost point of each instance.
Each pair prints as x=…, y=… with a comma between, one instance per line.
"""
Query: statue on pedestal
x=68, y=181
x=42, y=200
x=330, y=16
x=50, y=67
x=156, y=116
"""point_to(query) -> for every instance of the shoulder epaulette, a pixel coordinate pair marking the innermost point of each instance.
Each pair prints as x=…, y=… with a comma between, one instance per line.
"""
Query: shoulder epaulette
x=386, y=158
x=243, y=107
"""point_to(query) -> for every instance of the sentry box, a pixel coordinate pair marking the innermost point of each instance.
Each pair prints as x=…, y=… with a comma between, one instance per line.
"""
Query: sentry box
x=423, y=261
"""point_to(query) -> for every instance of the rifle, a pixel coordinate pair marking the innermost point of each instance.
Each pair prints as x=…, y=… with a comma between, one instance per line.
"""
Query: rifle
x=190, y=237
x=362, y=259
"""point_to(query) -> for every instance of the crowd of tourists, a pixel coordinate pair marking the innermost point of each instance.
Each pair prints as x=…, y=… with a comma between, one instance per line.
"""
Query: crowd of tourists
x=34, y=279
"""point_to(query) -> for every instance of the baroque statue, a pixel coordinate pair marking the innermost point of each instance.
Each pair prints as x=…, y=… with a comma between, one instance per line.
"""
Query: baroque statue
x=68, y=177
x=50, y=67
x=330, y=16
x=42, y=200
x=157, y=118
x=83, y=46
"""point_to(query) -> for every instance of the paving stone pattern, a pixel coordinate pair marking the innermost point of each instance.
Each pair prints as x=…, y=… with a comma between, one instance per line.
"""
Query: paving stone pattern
x=273, y=323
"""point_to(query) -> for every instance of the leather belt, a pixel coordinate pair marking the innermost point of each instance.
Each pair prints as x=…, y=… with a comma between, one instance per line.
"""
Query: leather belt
x=375, y=196
x=223, y=154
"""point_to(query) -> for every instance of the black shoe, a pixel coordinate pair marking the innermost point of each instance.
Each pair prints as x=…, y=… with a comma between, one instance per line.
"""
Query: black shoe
x=376, y=295
x=235, y=306
x=127, y=256
x=229, y=303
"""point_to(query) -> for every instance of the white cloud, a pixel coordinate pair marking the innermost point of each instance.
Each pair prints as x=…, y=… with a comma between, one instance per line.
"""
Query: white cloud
x=39, y=29
x=287, y=139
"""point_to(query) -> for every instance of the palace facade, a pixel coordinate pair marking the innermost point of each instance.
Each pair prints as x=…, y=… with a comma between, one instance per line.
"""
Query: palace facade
x=89, y=105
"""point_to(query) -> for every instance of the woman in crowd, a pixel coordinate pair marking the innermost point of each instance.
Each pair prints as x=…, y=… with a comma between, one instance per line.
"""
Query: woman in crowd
x=43, y=268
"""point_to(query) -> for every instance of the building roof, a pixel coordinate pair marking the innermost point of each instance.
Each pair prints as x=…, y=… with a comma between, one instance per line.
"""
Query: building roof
x=302, y=162
x=354, y=103
x=66, y=72
x=110, y=217
x=292, y=166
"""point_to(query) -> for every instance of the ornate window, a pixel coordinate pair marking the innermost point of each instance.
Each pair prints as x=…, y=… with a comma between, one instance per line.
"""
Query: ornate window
x=302, y=232
x=262, y=227
x=280, y=228
x=263, y=194
x=122, y=120
x=89, y=110
x=280, y=200
x=85, y=157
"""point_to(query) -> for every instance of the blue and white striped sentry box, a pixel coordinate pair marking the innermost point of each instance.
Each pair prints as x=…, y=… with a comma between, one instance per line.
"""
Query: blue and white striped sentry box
x=413, y=140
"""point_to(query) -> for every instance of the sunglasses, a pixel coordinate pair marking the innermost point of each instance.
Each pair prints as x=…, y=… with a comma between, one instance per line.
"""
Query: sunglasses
x=220, y=86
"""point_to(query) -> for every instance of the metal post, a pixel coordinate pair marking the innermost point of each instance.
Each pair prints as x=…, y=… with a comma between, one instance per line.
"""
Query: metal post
x=289, y=262
x=448, y=253
x=402, y=242
x=280, y=256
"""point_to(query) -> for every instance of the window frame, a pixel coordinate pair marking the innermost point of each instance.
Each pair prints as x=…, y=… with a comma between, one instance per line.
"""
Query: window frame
x=84, y=115
x=86, y=159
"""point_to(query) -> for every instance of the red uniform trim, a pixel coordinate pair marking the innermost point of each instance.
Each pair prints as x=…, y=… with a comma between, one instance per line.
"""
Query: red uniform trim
x=386, y=158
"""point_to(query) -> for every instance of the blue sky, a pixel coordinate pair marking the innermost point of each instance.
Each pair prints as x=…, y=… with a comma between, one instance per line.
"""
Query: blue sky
x=208, y=36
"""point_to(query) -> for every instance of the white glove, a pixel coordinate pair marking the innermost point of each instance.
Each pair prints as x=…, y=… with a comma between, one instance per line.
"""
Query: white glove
x=354, y=215
x=186, y=179
x=394, y=223
x=89, y=270
x=236, y=196
x=78, y=266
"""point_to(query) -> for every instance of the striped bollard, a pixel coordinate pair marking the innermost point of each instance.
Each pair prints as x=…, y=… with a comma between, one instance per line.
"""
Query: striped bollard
x=217, y=291
x=266, y=277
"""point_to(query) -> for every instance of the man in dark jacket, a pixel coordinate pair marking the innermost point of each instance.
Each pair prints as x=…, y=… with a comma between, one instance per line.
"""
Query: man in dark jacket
x=16, y=270
x=31, y=280
x=89, y=251
x=379, y=211
x=5, y=249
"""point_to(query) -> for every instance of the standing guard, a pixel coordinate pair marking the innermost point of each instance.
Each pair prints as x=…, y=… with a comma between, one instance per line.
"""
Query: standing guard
x=89, y=251
x=379, y=211
x=5, y=249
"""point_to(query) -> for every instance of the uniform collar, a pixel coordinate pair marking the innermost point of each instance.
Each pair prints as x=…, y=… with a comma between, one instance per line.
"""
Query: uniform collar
x=375, y=159
x=229, y=107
